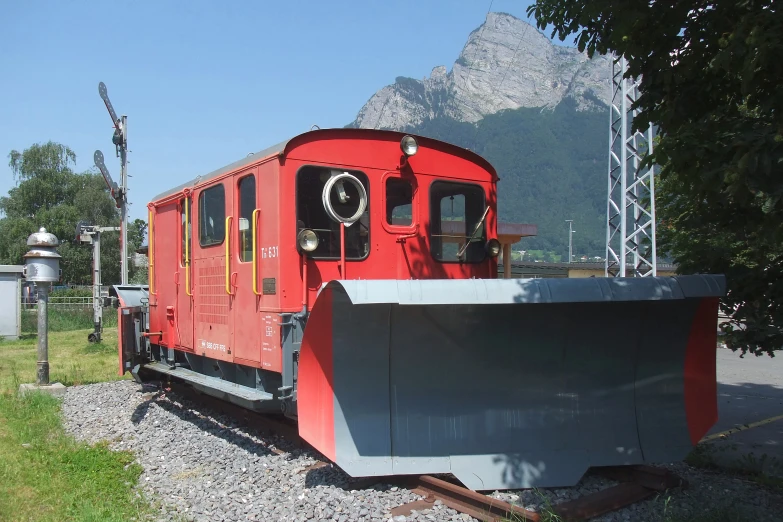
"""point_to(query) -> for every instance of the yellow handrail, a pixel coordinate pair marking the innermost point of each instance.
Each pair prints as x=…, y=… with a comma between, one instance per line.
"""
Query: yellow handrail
x=228, y=255
x=187, y=247
x=151, y=248
x=256, y=212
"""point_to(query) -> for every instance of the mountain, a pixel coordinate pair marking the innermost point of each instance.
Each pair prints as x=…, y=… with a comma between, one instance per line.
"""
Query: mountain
x=537, y=111
x=505, y=64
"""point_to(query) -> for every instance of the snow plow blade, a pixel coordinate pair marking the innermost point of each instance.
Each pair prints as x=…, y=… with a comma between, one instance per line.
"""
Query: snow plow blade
x=509, y=383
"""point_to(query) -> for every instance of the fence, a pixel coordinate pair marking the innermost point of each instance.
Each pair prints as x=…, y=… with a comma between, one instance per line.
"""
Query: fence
x=61, y=303
x=66, y=314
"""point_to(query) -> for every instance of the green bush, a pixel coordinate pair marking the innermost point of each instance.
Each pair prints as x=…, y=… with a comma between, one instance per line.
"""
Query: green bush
x=71, y=292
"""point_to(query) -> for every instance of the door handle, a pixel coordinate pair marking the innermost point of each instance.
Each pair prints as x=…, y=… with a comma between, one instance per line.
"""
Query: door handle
x=229, y=219
x=254, y=219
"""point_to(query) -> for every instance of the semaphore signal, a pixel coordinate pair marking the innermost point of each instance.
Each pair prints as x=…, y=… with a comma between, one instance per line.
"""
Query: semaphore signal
x=118, y=193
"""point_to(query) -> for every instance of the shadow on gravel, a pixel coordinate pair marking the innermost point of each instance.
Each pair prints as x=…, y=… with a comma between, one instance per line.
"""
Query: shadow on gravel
x=334, y=476
x=202, y=421
x=151, y=392
x=326, y=476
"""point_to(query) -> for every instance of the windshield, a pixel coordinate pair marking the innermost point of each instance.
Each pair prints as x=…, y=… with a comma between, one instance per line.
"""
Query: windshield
x=310, y=213
x=457, y=212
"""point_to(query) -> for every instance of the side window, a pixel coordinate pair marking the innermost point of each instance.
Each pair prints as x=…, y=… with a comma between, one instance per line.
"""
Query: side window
x=455, y=211
x=212, y=216
x=186, y=248
x=247, y=204
x=399, y=202
x=310, y=213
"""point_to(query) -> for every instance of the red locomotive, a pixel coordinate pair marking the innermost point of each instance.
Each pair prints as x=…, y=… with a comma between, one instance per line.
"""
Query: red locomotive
x=348, y=278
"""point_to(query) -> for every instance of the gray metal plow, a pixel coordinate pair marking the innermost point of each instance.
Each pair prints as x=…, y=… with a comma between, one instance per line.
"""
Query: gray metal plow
x=509, y=383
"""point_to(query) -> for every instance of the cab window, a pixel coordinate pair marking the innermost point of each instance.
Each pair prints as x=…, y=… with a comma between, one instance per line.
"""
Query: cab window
x=247, y=204
x=212, y=216
x=186, y=248
x=311, y=214
x=455, y=211
x=399, y=202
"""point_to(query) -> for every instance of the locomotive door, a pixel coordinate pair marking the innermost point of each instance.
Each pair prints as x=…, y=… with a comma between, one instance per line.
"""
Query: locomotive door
x=247, y=329
x=211, y=272
x=185, y=285
x=166, y=262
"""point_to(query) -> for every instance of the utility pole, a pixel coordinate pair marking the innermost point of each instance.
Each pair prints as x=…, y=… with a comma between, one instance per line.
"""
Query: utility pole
x=120, y=194
x=570, y=239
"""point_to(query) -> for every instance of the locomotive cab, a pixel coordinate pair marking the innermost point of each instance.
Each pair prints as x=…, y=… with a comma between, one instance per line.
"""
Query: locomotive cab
x=369, y=210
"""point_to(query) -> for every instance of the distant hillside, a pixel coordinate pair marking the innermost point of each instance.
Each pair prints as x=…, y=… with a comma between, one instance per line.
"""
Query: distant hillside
x=538, y=112
x=552, y=167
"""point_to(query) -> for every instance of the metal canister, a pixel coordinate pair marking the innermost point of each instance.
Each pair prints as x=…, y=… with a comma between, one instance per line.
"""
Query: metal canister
x=42, y=262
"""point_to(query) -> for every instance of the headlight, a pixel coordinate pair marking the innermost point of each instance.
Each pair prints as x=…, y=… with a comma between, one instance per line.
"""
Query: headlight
x=307, y=239
x=409, y=146
x=493, y=247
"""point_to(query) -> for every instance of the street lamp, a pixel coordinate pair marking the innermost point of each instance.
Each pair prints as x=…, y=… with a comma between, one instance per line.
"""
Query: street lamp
x=570, y=239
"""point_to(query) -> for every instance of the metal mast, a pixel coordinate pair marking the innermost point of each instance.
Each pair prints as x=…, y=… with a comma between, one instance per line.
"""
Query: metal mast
x=90, y=234
x=630, y=231
x=120, y=194
x=570, y=239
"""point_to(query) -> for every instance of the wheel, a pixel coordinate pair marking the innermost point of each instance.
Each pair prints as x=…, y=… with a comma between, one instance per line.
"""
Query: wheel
x=93, y=338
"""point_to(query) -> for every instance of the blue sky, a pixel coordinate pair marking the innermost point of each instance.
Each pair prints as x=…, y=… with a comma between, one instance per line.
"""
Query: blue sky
x=205, y=83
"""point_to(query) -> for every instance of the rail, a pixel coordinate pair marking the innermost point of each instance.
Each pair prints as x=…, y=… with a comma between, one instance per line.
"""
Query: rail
x=636, y=483
x=458, y=498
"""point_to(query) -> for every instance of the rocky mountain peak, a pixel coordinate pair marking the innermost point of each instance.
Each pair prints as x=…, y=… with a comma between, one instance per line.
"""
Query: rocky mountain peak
x=505, y=64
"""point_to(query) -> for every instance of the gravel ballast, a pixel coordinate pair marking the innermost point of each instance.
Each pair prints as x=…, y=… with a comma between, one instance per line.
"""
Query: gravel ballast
x=201, y=465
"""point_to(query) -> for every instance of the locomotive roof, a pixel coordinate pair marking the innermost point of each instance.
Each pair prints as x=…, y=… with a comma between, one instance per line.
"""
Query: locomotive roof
x=280, y=147
x=269, y=151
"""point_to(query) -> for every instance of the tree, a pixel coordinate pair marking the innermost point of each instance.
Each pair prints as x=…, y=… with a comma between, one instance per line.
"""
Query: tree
x=712, y=82
x=49, y=194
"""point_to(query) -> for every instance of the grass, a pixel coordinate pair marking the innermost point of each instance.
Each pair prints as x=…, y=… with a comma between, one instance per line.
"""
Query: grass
x=713, y=515
x=747, y=467
x=44, y=473
x=546, y=510
x=67, y=319
x=725, y=514
x=72, y=359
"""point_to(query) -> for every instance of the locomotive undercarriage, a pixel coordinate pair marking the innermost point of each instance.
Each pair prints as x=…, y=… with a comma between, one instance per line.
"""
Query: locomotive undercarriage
x=252, y=388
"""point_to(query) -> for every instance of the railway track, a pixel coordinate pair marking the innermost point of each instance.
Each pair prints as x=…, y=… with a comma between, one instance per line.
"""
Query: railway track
x=635, y=483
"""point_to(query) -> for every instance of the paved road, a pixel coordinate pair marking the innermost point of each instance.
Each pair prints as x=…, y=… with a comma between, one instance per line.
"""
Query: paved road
x=749, y=390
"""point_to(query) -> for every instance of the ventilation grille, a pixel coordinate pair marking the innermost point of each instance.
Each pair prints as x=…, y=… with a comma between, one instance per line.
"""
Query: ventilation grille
x=213, y=299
